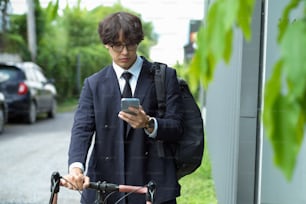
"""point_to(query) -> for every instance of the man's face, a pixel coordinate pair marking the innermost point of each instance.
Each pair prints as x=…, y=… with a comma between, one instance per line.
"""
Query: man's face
x=122, y=54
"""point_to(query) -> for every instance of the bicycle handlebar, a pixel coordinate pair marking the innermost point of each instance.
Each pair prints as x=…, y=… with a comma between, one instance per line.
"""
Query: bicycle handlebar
x=110, y=187
x=105, y=187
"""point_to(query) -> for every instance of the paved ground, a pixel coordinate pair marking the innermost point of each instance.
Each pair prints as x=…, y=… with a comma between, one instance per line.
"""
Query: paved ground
x=29, y=154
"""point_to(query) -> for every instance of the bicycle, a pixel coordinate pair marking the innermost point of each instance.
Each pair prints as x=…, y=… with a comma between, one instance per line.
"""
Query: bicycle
x=104, y=187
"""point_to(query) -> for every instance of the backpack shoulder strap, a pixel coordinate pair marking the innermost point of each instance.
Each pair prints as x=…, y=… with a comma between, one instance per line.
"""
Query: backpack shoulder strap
x=159, y=78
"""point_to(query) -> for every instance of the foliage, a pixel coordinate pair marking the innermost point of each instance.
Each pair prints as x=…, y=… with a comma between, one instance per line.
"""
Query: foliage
x=68, y=105
x=72, y=47
x=198, y=187
x=14, y=39
x=285, y=93
x=68, y=41
x=215, y=37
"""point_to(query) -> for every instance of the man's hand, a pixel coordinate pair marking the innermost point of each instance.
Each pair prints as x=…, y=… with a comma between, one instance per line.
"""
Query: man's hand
x=75, y=180
x=137, y=120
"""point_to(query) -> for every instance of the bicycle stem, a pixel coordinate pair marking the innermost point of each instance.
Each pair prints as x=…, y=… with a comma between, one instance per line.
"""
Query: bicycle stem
x=104, y=186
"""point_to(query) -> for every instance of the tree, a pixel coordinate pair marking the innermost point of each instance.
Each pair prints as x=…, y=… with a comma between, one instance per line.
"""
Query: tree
x=4, y=24
x=76, y=43
x=67, y=42
x=3, y=14
x=284, y=115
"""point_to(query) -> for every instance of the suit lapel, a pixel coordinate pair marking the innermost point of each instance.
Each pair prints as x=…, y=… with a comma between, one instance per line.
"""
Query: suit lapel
x=111, y=93
x=144, y=82
x=111, y=89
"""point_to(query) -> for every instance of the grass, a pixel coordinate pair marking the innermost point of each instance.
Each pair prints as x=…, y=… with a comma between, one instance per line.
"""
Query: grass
x=67, y=105
x=197, y=188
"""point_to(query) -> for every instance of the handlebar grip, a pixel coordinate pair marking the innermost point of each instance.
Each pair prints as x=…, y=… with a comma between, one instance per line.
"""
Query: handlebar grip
x=103, y=186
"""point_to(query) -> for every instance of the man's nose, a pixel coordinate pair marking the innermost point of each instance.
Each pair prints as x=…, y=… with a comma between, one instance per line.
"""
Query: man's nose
x=125, y=49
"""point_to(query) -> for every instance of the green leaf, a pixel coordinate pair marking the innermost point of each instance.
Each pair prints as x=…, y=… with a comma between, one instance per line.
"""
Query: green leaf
x=284, y=21
x=244, y=17
x=283, y=119
x=283, y=123
x=51, y=11
x=228, y=9
x=215, y=42
x=293, y=54
x=272, y=92
x=228, y=46
x=198, y=64
x=287, y=137
x=194, y=71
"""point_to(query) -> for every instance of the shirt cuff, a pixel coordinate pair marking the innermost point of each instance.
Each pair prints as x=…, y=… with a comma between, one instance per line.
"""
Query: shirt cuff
x=154, y=132
x=76, y=164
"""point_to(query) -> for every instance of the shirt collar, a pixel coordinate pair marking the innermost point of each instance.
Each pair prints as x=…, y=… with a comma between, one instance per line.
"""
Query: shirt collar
x=134, y=69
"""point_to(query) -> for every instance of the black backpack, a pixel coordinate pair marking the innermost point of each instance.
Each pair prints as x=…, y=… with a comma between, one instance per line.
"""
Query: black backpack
x=188, y=151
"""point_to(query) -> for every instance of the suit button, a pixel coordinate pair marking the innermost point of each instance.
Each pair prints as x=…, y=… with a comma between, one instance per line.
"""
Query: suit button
x=146, y=153
x=106, y=126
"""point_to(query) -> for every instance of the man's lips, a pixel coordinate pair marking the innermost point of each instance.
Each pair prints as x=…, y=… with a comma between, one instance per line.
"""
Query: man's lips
x=124, y=59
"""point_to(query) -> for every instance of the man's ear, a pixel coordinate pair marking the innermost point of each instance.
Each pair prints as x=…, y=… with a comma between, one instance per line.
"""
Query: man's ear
x=107, y=46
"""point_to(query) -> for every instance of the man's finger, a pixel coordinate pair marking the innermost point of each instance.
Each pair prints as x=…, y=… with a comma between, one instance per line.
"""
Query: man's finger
x=86, y=182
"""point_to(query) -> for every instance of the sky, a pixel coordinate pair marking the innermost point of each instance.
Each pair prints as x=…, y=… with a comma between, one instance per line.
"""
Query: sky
x=170, y=19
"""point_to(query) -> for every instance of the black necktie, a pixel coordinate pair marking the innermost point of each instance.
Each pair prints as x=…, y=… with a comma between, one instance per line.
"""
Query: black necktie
x=127, y=91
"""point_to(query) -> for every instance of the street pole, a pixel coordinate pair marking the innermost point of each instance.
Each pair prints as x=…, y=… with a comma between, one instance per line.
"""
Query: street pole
x=31, y=29
x=78, y=73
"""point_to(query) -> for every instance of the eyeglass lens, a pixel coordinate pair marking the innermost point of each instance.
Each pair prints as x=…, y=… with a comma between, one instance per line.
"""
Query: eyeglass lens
x=129, y=47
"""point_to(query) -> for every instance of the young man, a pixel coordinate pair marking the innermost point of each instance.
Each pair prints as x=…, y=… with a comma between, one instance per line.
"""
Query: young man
x=125, y=147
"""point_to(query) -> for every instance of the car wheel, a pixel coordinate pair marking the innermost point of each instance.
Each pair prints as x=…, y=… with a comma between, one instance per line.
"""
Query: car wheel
x=31, y=116
x=2, y=120
x=52, y=112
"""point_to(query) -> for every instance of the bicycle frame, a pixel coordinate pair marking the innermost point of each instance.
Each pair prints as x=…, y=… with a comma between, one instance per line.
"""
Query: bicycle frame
x=102, y=187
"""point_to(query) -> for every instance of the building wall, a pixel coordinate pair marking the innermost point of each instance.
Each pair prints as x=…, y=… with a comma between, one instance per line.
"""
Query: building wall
x=232, y=119
x=241, y=156
x=275, y=189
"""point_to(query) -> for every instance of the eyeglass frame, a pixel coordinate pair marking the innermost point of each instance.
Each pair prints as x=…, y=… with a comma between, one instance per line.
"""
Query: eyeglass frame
x=129, y=47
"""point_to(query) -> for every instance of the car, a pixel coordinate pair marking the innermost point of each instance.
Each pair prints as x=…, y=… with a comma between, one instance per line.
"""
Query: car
x=3, y=112
x=27, y=91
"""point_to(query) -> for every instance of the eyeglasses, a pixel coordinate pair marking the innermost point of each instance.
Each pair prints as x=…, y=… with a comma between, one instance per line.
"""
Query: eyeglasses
x=119, y=47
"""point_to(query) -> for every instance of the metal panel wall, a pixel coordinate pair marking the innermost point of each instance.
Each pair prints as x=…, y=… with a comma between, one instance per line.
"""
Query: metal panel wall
x=233, y=122
x=231, y=119
x=275, y=189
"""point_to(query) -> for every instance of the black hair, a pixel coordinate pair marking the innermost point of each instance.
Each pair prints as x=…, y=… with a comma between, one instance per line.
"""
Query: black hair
x=129, y=24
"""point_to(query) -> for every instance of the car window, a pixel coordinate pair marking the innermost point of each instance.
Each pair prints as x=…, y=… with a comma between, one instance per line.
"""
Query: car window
x=10, y=74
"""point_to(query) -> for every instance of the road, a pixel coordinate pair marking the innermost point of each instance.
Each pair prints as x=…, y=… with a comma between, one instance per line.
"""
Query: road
x=29, y=154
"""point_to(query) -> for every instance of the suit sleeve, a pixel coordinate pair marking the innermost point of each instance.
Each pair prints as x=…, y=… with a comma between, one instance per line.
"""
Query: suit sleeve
x=83, y=127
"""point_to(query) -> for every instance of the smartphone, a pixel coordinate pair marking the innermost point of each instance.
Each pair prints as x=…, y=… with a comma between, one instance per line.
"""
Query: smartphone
x=128, y=102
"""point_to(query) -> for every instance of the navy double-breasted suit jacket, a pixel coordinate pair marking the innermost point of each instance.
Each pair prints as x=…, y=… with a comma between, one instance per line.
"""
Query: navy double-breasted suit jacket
x=125, y=158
